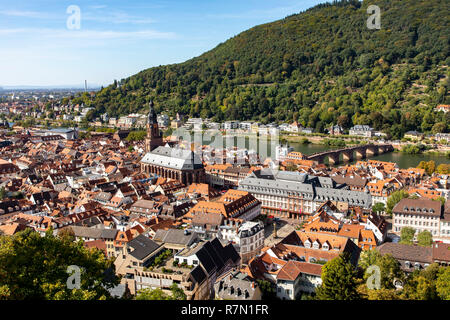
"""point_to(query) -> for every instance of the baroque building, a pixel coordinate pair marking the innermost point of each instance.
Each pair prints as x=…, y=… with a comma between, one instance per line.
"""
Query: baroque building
x=297, y=195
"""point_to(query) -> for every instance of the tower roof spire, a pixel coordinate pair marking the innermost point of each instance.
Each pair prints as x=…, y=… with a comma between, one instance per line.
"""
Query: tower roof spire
x=152, y=119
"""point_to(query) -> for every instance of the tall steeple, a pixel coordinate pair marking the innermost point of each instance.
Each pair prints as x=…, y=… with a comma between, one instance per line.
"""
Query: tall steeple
x=152, y=118
x=154, y=137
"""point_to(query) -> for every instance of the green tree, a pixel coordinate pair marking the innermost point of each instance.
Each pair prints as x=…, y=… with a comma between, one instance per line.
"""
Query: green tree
x=407, y=235
x=35, y=267
x=242, y=80
x=304, y=141
x=429, y=166
x=338, y=280
x=389, y=269
x=422, y=285
x=382, y=294
x=395, y=198
x=425, y=238
x=443, y=283
x=159, y=294
x=267, y=289
x=441, y=199
x=168, y=132
x=413, y=148
x=443, y=168
x=378, y=207
x=152, y=294
x=84, y=135
x=136, y=135
x=2, y=193
x=177, y=293
x=439, y=127
x=291, y=167
x=368, y=258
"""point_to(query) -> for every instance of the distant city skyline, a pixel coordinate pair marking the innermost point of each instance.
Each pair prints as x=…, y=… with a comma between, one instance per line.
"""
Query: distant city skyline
x=117, y=39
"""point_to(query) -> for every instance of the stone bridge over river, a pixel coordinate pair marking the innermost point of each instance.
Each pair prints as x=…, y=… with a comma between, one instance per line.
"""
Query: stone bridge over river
x=350, y=153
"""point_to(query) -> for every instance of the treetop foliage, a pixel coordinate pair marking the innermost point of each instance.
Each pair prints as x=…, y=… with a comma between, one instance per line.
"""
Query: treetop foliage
x=35, y=267
x=321, y=67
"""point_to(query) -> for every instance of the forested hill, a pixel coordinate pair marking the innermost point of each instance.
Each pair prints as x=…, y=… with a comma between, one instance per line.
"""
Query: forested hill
x=319, y=67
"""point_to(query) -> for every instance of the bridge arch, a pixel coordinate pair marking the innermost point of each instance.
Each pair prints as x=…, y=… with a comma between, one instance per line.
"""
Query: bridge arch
x=349, y=154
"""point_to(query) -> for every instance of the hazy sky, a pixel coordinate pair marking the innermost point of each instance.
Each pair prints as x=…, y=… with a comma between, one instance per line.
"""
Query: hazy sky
x=119, y=38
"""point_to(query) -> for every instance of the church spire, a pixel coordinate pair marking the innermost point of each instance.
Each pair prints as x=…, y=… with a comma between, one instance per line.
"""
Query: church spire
x=152, y=119
x=154, y=137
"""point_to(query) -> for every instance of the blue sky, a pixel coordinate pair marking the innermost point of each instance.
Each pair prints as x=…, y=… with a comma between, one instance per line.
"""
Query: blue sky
x=117, y=39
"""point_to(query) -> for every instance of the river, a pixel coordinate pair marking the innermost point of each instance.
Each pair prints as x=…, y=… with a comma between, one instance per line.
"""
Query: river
x=403, y=160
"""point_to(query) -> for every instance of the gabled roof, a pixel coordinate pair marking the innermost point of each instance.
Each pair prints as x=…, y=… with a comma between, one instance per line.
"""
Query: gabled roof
x=441, y=251
x=197, y=274
x=406, y=252
x=143, y=247
x=174, y=236
x=174, y=158
x=350, y=230
x=418, y=206
x=292, y=270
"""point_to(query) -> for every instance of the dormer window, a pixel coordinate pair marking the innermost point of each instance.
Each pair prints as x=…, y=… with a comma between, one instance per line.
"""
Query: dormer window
x=308, y=244
x=316, y=245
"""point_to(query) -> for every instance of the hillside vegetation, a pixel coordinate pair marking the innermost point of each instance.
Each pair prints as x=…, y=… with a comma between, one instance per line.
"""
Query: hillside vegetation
x=319, y=67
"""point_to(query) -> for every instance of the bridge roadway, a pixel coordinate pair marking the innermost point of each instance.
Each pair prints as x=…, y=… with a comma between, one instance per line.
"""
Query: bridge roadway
x=361, y=152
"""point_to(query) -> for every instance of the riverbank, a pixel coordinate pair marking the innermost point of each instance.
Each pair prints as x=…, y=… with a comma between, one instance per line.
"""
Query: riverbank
x=438, y=153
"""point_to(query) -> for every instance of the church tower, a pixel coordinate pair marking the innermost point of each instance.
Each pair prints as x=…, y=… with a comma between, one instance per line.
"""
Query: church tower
x=154, y=137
